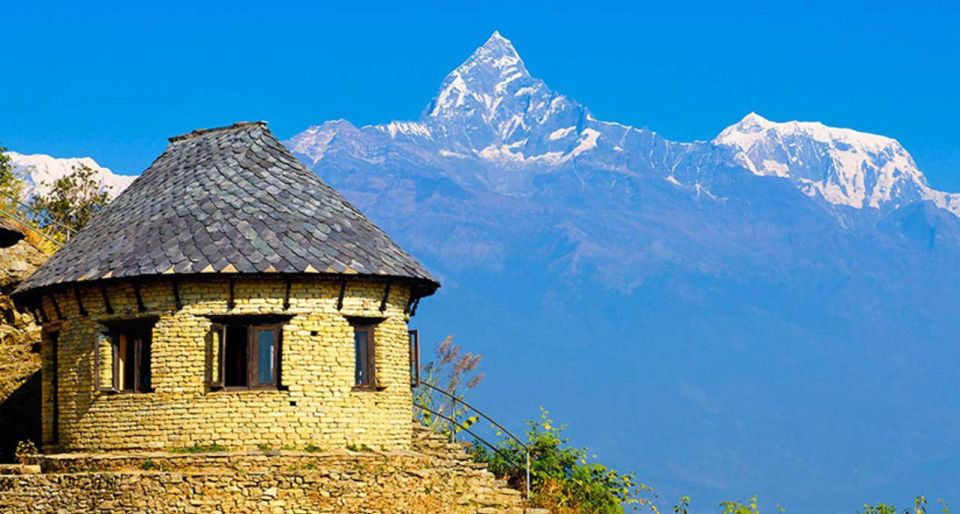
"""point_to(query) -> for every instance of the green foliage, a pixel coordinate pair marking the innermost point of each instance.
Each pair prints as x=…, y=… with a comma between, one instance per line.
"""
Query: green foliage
x=196, y=448
x=750, y=507
x=880, y=508
x=11, y=187
x=71, y=203
x=562, y=477
x=919, y=507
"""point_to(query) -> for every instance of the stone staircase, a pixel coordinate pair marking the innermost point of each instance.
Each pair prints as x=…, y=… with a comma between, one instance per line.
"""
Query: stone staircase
x=491, y=494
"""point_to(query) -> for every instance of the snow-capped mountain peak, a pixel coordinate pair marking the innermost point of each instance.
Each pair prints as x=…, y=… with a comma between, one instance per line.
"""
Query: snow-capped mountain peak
x=480, y=80
x=842, y=166
x=39, y=171
x=492, y=108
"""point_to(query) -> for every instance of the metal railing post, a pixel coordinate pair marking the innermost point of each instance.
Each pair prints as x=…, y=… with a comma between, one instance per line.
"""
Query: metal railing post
x=528, y=476
x=453, y=426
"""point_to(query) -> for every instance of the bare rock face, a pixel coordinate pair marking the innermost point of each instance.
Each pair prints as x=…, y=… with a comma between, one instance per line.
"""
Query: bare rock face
x=19, y=353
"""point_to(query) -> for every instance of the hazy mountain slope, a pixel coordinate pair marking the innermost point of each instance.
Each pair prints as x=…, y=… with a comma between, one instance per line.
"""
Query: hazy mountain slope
x=769, y=313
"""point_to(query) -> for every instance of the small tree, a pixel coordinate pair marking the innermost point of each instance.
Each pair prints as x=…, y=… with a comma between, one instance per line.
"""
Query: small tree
x=11, y=186
x=72, y=201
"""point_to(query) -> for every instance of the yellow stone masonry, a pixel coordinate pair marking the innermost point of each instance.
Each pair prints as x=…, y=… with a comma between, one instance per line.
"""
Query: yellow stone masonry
x=316, y=405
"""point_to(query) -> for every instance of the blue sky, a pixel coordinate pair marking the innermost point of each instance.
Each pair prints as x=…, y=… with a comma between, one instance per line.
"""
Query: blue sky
x=113, y=80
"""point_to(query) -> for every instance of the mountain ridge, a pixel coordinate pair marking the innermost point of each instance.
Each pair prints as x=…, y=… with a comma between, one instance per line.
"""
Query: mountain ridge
x=489, y=108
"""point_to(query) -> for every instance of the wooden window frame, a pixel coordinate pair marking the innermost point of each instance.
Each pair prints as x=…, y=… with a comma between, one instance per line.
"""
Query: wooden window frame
x=252, y=325
x=142, y=327
x=370, y=328
x=414, y=336
x=253, y=356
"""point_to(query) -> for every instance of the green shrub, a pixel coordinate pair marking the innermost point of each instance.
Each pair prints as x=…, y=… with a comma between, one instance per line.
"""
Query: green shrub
x=562, y=478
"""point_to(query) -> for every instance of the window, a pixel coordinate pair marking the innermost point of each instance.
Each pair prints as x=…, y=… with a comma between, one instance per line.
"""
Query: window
x=124, y=357
x=414, y=336
x=364, y=347
x=246, y=353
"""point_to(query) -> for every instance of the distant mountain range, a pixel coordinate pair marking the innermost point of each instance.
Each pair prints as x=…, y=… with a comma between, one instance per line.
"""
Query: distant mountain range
x=39, y=171
x=772, y=312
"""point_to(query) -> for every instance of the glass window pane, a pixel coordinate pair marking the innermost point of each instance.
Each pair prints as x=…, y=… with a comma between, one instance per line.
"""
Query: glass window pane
x=360, y=350
x=265, y=354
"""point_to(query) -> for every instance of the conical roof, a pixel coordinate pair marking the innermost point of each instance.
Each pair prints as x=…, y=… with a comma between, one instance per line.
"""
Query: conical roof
x=228, y=200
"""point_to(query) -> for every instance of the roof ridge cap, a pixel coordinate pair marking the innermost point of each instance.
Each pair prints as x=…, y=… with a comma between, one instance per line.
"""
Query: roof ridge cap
x=199, y=132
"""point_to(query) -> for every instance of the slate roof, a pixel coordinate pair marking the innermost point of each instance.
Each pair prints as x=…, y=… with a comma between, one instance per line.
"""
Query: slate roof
x=230, y=199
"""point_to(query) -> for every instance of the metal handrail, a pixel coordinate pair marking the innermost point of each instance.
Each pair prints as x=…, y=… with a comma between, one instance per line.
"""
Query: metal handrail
x=465, y=429
x=478, y=411
x=453, y=421
x=68, y=231
x=29, y=226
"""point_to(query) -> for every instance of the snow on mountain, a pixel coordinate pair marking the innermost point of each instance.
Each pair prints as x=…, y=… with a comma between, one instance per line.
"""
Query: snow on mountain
x=489, y=108
x=491, y=114
x=39, y=171
x=842, y=166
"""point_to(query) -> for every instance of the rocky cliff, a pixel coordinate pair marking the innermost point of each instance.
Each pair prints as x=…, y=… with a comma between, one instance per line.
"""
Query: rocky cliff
x=19, y=347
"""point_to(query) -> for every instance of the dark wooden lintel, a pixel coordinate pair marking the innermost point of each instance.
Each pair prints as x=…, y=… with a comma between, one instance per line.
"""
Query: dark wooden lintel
x=136, y=292
x=386, y=295
x=80, y=306
x=56, y=305
x=106, y=299
x=343, y=290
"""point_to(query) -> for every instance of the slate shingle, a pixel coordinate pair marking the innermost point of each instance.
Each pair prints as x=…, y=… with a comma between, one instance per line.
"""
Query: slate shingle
x=227, y=196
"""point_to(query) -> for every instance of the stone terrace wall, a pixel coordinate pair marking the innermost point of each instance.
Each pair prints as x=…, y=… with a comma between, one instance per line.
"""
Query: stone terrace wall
x=440, y=479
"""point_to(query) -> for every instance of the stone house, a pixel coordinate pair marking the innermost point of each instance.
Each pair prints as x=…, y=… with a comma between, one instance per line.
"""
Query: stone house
x=229, y=298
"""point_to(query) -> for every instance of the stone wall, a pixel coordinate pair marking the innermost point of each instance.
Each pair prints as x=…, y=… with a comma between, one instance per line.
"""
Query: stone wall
x=317, y=406
x=437, y=477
